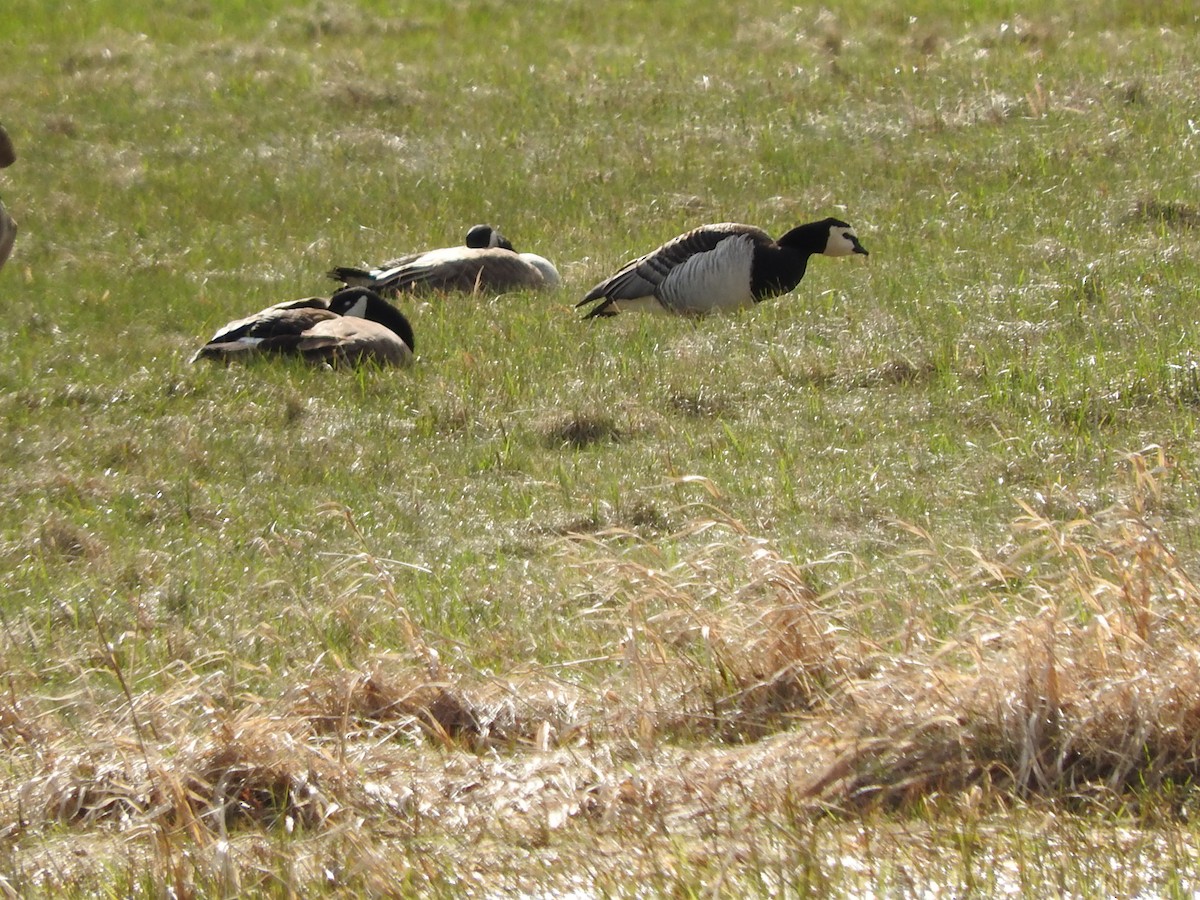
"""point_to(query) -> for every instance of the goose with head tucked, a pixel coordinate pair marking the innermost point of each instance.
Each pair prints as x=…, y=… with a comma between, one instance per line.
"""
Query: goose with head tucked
x=719, y=267
x=352, y=327
x=488, y=263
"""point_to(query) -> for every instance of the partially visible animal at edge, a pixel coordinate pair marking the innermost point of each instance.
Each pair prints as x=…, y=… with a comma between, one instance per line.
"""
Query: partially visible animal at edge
x=8, y=228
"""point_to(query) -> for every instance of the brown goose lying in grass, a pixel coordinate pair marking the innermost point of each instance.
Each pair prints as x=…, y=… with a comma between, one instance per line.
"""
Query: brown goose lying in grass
x=352, y=327
x=486, y=264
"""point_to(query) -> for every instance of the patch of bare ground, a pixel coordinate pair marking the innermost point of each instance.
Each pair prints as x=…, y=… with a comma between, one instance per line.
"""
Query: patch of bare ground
x=356, y=95
x=896, y=371
x=727, y=682
x=703, y=403
x=58, y=538
x=635, y=517
x=582, y=429
x=330, y=18
x=858, y=374
x=1165, y=213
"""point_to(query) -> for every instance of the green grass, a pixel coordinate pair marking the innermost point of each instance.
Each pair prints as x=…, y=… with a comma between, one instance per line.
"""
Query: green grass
x=602, y=604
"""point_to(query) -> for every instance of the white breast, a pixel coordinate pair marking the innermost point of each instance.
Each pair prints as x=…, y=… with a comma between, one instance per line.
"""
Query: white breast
x=550, y=276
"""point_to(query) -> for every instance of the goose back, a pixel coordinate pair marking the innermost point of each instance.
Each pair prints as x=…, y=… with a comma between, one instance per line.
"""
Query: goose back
x=457, y=270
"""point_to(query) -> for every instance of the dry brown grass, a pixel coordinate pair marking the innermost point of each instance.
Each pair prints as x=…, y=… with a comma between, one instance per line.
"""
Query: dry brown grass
x=1069, y=673
x=728, y=643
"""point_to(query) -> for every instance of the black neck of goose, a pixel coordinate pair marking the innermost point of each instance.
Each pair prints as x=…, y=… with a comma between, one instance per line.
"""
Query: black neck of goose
x=379, y=310
x=779, y=269
x=807, y=239
x=776, y=271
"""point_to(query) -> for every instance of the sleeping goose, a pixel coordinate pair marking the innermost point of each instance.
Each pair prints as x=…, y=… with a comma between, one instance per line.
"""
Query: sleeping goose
x=353, y=326
x=719, y=267
x=479, y=237
x=488, y=263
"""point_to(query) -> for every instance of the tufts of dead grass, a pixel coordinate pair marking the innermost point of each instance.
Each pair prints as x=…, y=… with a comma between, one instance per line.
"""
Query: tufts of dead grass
x=1091, y=691
x=709, y=655
x=253, y=768
x=581, y=430
x=454, y=713
x=258, y=769
x=733, y=686
x=1072, y=671
x=58, y=538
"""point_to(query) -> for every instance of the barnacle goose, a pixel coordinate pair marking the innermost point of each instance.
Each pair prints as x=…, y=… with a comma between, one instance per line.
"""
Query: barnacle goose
x=719, y=267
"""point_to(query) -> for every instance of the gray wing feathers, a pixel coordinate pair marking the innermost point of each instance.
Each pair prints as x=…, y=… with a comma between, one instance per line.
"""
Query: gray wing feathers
x=290, y=317
x=470, y=271
x=644, y=276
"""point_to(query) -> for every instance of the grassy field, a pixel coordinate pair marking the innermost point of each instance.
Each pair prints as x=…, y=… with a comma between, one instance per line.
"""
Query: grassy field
x=880, y=588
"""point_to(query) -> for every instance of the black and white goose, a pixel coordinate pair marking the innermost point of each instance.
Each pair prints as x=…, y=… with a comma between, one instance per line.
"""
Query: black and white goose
x=353, y=326
x=719, y=267
x=487, y=263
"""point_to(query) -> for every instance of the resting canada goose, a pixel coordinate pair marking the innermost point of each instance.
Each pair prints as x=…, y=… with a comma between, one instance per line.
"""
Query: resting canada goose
x=353, y=326
x=719, y=267
x=487, y=263
x=479, y=237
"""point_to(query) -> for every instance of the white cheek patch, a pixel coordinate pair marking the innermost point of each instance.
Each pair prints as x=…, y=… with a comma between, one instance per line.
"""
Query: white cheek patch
x=359, y=308
x=838, y=244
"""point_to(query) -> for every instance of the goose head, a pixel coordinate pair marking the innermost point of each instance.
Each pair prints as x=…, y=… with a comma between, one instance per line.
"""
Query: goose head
x=481, y=237
x=842, y=241
x=364, y=303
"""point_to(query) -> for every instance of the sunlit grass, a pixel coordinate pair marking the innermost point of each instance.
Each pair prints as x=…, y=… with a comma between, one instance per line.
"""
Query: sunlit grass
x=546, y=554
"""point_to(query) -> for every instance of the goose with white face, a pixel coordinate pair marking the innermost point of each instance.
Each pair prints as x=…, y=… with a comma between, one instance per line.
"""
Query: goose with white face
x=843, y=242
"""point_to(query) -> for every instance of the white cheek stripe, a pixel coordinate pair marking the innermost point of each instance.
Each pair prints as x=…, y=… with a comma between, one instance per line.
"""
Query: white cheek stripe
x=838, y=245
x=359, y=309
